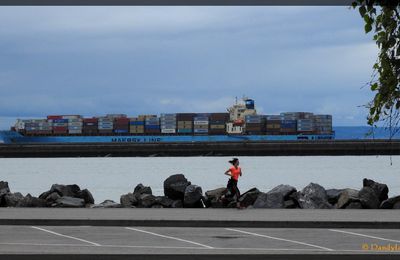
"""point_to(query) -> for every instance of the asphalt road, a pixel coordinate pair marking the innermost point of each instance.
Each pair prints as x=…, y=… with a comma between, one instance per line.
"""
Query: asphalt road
x=195, y=241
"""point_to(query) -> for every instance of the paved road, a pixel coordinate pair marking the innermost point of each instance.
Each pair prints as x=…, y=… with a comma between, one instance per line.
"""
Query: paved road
x=195, y=241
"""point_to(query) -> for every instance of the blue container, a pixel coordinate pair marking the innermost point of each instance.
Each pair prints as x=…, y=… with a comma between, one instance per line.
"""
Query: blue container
x=153, y=127
x=201, y=131
x=60, y=120
x=120, y=131
x=200, y=118
x=136, y=123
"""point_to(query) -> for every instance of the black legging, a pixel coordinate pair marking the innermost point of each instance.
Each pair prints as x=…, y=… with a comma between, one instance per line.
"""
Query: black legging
x=233, y=188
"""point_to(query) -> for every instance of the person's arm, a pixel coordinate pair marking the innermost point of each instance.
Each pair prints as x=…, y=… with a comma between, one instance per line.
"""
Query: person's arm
x=240, y=172
x=228, y=172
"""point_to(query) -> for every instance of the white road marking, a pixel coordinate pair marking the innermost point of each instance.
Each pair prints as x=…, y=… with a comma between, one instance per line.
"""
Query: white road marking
x=61, y=235
x=281, y=239
x=362, y=235
x=174, y=238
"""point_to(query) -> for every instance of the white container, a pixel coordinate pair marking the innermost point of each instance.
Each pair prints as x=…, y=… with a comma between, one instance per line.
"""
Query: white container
x=200, y=122
x=168, y=131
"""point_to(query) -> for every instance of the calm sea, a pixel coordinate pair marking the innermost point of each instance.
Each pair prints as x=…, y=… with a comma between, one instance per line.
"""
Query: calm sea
x=108, y=178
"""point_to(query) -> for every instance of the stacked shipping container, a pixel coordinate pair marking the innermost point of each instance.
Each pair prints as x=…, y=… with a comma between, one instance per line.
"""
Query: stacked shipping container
x=201, y=124
x=184, y=123
x=152, y=125
x=217, y=123
x=168, y=123
x=136, y=125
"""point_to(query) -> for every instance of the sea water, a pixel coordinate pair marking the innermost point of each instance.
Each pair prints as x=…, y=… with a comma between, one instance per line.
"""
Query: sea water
x=109, y=178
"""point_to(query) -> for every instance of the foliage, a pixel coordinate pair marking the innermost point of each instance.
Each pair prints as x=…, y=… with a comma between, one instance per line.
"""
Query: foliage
x=383, y=19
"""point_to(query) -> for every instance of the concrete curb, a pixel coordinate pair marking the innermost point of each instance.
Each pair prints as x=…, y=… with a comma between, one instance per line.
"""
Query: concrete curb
x=202, y=223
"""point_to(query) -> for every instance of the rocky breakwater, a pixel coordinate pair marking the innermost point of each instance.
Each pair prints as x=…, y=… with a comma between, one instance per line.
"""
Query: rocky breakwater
x=179, y=192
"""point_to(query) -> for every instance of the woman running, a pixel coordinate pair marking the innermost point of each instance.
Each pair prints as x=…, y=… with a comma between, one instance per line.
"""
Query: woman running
x=234, y=172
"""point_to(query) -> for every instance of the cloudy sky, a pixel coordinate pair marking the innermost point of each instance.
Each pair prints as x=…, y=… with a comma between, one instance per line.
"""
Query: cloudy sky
x=135, y=60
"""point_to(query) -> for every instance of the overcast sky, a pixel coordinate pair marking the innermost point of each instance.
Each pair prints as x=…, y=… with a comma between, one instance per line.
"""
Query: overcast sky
x=135, y=60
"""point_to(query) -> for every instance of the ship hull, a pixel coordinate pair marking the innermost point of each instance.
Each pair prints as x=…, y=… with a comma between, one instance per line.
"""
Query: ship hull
x=14, y=137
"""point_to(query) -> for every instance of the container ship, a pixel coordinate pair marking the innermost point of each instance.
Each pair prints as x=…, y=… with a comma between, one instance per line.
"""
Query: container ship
x=240, y=123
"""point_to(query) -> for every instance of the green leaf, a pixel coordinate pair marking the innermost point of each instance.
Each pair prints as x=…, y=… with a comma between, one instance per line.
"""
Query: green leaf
x=374, y=86
x=354, y=4
x=367, y=28
x=362, y=10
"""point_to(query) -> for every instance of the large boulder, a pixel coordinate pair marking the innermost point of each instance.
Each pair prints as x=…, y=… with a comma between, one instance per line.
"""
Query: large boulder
x=192, y=197
x=146, y=200
x=51, y=198
x=389, y=203
x=216, y=193
x=107, y=204
x=276, y=197
x=175, y=186
x=368, y=198
x=354, y=205
x=249, y=197
x=128, y=200
x=313, y=196
x=86, y=195
x=70, y=202
x=284, y=190
x=30, y=201
x=381, y=190
x=66, y=190
x=396, y=205
x=164, y=201
x=333, y=195
x=12, y=199
x=346, y=197
x=4, y=189
x=141, y=189
x=177, y=204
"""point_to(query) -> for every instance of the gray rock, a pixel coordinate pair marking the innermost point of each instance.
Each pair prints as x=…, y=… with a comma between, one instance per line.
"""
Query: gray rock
x=389, y=203
x=333, y=195
x=216, y=193
x=289, y=204
x=175, y=186
x=192, y=196
x=313, y=196
x=164, y=201
x=396, y=205
x=128, y=200
x=52, y=198
x=30, y=201
x=177, y=204
x=346, y=197
x=249, y=197
x=12, y=199
x=141, y=189
x=381, y=190
x=146, y=200
x=65, y=190
x=368, y=198
x=70, y=202
x=354, y=205
x=284, y=190
x=4, y=189
x=107, y=204
x=86, y=195
x=157, y=206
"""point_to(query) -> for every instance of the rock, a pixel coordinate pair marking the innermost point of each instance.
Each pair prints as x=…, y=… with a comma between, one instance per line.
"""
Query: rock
x=177, y=204
x=215, y=194
x=4, y=189
x=107, y=204
x=249, y=197
x=261, y=201
x=141, y=189
x=175, y=186
x=346, y=197
x=368, y=198
x=354, y=205
x=45, y=194
x=128, y=200
x=396, y=205
x=12, y=199
x=389, y=203
x=52, y=198
x=192, y=196
x=313, y=196
x=289, y=204
x=65, y=190
x=70, y=202
x=86, y=195
x=164, y=201
x=333, y=195
x=381, y=190
x=146, y=200
x=29, y=201
x=157, y=206
x=284, y=190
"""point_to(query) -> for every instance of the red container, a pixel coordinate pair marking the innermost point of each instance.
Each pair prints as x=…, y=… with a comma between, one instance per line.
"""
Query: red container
x=60, y=128
x=90, y=120
x=54, y=117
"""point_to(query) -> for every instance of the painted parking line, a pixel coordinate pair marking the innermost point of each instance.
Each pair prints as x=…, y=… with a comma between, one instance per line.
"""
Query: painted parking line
x=169, y=237
x=61, y=235
x=281, y=239
x=363, y=235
